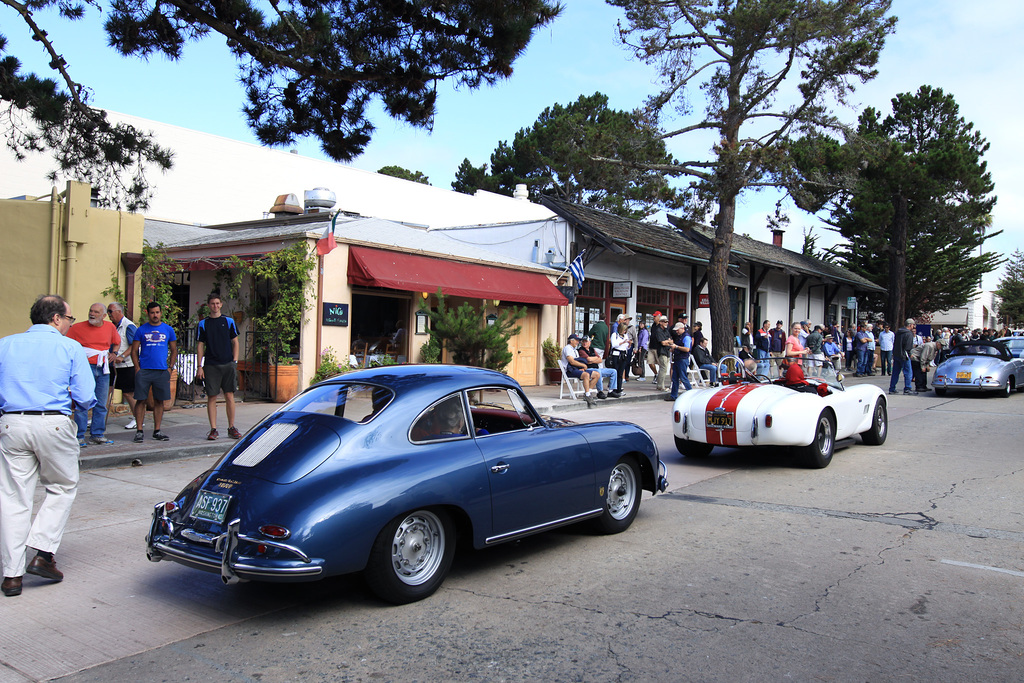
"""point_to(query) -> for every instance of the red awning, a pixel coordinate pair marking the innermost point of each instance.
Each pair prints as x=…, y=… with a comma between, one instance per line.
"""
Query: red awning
x=411, y=273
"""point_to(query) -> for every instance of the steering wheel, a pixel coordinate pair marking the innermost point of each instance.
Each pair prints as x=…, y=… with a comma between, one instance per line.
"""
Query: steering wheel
x=741, y=374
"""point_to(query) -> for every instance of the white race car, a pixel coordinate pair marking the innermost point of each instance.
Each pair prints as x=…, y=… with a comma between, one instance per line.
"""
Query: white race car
x=748, y=410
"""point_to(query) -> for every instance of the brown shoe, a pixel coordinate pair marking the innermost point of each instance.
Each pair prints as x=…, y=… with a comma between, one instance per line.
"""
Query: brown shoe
x=47, y=570
x=12, y=586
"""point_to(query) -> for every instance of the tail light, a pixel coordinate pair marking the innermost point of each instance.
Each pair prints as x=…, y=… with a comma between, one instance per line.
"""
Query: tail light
x=274, y=531
x=768, y=421
x=169, y=507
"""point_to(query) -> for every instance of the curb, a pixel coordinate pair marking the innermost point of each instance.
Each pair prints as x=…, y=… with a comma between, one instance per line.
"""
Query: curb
x=95, y=462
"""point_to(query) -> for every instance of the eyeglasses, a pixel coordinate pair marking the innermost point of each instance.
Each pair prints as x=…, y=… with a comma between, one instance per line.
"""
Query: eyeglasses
x=110, y=311
x=68, y=317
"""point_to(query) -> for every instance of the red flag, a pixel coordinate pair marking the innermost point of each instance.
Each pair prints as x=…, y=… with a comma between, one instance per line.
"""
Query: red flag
x=326, y=244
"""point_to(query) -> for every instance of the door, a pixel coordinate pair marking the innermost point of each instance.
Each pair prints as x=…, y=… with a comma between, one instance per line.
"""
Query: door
x=523, y=347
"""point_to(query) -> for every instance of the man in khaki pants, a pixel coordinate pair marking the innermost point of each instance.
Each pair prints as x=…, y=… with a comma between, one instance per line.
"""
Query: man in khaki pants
x=41, y=371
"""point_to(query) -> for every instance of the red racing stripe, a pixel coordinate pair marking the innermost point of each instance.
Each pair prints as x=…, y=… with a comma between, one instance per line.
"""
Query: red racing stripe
x=727, y=398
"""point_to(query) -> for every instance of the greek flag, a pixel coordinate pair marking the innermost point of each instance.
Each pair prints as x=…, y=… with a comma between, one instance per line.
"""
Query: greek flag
x=577, y=270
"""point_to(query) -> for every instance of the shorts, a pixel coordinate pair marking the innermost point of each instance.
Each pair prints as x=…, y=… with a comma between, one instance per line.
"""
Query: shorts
x=573, y=371
x=124, y=379
x=219, y=378
x=158, y=380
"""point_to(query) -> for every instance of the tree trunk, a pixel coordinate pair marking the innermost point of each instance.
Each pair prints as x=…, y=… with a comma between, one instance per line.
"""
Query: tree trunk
x=896, y=310
x=718, y=277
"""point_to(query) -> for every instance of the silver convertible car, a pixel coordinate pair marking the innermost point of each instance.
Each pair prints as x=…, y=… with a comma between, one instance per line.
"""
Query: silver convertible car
x=979, y=366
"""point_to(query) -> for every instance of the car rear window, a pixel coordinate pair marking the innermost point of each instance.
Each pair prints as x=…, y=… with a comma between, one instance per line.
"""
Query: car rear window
x=356, y=402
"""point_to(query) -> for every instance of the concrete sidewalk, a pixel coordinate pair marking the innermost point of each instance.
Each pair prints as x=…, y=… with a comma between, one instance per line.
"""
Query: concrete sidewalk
x=187, y=425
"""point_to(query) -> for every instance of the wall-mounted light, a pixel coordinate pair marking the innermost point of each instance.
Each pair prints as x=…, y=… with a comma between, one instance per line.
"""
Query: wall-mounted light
x=491, y=319
x=424, y=294
x=496, y=302
x=422, y=320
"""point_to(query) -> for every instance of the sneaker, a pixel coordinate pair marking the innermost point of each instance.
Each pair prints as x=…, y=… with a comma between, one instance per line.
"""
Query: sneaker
x=908, y=392
x=82, y=443
x=601, y=395
x=100, y=441
x=130, y=425
x=670, y=397
x=641, y=379
x=590, y=400
x=894, y=392
x=234, y=433
x=139, y=436
x=212, y=436
x=160, y=436
x=618, y=393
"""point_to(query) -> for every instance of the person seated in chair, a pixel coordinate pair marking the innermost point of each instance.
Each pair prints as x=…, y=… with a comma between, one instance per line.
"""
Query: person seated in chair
x=705, y=361
x=574, y=367
x=593, y=361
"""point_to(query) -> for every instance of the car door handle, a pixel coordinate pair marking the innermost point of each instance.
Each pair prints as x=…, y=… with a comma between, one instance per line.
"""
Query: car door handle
x=499, y=468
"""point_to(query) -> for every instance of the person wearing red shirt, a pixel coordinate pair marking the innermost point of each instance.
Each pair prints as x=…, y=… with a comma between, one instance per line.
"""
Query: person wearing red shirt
x=100, y=340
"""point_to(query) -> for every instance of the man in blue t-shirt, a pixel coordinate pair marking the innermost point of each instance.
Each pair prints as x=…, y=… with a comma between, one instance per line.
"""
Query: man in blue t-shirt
x=154, y=341
x=218, y=353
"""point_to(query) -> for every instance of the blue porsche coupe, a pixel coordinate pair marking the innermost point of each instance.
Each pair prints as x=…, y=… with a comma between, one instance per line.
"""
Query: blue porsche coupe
x=382, y=470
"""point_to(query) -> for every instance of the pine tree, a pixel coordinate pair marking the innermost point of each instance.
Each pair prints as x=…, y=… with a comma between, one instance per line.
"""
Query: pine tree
x=1011, y=291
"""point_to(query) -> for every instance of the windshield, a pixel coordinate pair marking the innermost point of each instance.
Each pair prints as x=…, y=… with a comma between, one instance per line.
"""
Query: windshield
x=821, y=371
x=356, y=402
x=969, y=349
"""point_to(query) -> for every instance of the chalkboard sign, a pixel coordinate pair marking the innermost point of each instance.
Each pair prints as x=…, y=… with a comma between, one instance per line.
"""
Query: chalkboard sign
x=335, y=314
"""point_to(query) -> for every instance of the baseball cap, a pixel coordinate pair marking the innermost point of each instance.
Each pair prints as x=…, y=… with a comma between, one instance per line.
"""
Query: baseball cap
x=909, y=321
x=574, y=337
x=679, y=326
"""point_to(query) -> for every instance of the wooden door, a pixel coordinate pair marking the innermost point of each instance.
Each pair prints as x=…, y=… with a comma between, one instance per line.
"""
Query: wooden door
x=525, y=350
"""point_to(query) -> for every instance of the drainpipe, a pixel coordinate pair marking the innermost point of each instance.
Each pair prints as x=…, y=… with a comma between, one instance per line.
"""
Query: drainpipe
x=54, y=240
x=69, y=270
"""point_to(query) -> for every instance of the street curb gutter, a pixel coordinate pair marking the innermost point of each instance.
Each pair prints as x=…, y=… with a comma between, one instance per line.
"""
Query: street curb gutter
x=95, y=462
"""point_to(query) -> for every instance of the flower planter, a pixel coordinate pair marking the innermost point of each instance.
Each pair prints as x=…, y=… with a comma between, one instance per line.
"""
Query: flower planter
x=284, y=382
x=553, y=375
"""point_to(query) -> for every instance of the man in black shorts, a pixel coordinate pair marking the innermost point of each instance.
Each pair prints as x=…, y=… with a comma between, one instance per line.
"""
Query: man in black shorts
x=218, y=351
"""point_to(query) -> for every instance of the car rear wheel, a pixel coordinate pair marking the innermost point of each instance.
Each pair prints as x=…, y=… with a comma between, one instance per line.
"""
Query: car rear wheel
x=693, y=449
x=879, y=426
x=411, y=556
x=818, y=453
x=1005, y=393
x=940, y=392
x=622, y=498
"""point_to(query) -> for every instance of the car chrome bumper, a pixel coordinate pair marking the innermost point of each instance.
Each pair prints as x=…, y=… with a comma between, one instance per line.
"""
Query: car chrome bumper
x=224, y=556
x=662, y=478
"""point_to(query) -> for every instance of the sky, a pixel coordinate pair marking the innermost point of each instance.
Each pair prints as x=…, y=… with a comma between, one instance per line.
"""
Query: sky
x=970, y=50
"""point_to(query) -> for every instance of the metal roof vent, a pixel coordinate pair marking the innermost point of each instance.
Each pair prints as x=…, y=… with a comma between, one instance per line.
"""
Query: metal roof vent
x=285, y=204
x=319, y=200
x=521, y=192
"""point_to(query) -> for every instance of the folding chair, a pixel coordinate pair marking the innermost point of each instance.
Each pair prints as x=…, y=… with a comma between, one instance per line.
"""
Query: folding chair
x=696, y=376
x=571, y=384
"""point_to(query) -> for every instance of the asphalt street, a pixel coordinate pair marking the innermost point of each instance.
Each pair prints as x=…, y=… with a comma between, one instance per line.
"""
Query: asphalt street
x=896, y=562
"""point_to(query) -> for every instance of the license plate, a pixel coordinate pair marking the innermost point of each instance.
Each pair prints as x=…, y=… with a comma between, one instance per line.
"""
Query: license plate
x=213, y=507
x=720, y=419
x=963, y=377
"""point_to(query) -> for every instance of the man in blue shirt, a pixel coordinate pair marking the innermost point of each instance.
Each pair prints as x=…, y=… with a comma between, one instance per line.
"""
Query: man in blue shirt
x=41, y=372
x=153, y=341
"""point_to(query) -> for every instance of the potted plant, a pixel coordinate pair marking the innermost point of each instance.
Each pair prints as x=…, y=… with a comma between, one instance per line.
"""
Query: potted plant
x=551, y=355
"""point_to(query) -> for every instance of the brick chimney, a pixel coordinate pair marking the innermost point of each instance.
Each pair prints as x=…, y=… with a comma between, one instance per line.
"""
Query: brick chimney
x=777, y=237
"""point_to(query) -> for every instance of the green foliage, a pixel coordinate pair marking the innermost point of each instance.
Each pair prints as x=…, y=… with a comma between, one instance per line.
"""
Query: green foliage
x=309, y=70
x=929, y=159
x=404, y=174
x=1011, y=290
x=562, y=154
x=767, y=70
x=328, y=367
x=155, y=283
x=282, y=285
x=551, y=353
x=115, y=291
x=469, y=339
x=431, y=351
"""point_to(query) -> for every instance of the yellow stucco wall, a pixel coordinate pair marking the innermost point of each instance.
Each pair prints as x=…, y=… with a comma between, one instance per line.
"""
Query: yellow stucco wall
x=39, y=235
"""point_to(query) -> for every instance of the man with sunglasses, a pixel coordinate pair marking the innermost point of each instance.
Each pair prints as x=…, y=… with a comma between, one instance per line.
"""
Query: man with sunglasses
x=124, y=371
x=41, y=373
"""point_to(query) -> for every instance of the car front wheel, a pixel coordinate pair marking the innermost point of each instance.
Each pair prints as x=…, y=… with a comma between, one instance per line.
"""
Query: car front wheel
x=879, y=426
x=622, y=497
x=818, y=453
x=411, y=556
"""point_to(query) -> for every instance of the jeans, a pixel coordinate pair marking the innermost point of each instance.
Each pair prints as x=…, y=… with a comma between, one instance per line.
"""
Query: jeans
x=862, y=360
x=713, y=371
x=886, y=361
x=898, y=367
x=99, y=411
x=613, y=380
x=679, y=375
x=763, y=364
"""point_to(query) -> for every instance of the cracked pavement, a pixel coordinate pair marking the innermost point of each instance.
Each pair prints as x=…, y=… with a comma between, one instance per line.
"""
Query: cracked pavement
x=904, y=561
